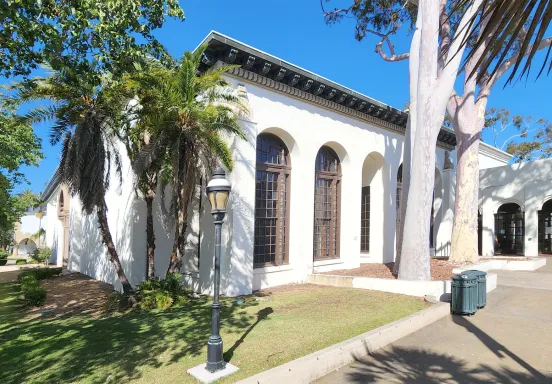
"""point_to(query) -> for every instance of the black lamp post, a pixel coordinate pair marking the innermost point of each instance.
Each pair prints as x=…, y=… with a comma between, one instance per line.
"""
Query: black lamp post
x=218, y=191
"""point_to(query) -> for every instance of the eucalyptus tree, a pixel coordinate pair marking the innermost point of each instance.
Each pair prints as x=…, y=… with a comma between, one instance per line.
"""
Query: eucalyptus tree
x=85, y=119
x=434, y=61
x=190, y=117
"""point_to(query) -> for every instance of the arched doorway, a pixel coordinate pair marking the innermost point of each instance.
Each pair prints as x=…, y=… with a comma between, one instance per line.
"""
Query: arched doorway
x=327, y=204
x=64, y=215
x=26, y=247
x=545, y=228
x=372, y=206
x=509, y=230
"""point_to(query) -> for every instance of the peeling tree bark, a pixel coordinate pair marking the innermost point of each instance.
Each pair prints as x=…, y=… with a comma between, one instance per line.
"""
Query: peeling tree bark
x=434, y=87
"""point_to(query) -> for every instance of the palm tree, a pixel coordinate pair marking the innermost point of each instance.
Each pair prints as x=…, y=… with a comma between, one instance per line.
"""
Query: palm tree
x=518, y=25
x=188, y=116
x=85, y=116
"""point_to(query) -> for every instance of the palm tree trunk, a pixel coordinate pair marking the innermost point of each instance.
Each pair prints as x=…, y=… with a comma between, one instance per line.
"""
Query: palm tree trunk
x=150, y=234
x=113, y=256
x=179, y=232
x=186, y=185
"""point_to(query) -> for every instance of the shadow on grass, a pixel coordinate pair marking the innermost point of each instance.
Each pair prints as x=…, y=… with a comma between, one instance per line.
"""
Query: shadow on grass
x=261, y=315
x=82, y=348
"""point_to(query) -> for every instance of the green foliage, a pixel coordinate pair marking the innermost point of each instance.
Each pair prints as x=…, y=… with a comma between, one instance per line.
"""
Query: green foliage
x=18, y=144
x=33, y=294
x=20, y=261
x=84, y=118
x=382, y=16
x=90, y=36
x=161, y=293
x=3, y=254
x=40, y=273
x=41, y=255
x=187, y=119
x=520, y=136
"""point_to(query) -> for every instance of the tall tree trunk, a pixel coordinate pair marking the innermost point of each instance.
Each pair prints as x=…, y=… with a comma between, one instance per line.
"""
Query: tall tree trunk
x=113, y=256
x=415, y=247
x=409, y=136
x=434, y=87
x=464, y=234
x=150, y=234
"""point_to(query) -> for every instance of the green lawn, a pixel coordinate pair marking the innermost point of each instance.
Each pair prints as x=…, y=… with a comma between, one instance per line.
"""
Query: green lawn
x=158, y=347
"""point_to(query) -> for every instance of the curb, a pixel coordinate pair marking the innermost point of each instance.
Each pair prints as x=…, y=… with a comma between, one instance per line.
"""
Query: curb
x=311, y=367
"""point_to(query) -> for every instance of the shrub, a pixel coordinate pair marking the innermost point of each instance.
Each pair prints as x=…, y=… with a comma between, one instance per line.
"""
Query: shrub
x=4, y=254
x=41, y=255
x=157, y=299
x=35, y=297
x=20, y=261
x=40, y=273
x=161, y=293
x=33, y=293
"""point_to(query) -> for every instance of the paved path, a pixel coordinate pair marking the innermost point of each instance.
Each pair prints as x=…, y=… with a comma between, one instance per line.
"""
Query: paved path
x=510, y=341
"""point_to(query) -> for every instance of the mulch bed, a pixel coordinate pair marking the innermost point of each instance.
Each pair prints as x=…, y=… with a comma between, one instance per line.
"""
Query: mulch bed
x=72, y=293
x=440, y=270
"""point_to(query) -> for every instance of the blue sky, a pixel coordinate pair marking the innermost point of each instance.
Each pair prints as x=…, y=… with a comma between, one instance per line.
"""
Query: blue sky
x=295, y=31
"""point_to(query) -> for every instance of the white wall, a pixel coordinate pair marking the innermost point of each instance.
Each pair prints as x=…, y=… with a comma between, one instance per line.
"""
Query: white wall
x=54, y=228
x=368, y=154
x=528, y=184
x=304, y=128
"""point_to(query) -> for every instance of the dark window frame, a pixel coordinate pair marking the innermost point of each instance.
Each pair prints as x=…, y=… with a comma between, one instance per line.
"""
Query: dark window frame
x=365, y=220
x=282, y=172
x=330, y=172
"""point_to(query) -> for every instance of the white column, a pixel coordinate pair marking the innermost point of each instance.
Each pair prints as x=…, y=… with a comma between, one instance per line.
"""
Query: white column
x=531, y=230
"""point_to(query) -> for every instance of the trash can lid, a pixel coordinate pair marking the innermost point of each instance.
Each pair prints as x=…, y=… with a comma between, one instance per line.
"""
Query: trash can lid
x=462, y=277
x=475, y=272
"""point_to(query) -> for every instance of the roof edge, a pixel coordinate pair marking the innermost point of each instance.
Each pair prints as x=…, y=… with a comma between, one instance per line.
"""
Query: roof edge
x=494, y=152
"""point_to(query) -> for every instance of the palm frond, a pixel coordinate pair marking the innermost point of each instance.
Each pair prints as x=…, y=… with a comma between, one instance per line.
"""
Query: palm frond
x=510, y=23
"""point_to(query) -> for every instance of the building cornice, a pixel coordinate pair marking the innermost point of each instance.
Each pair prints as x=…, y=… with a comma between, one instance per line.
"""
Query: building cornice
x=493, y=152
x=51, y=186
x=271, y=72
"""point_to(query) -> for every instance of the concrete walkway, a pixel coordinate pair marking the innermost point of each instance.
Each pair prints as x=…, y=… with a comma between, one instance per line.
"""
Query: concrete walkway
x=510, y=341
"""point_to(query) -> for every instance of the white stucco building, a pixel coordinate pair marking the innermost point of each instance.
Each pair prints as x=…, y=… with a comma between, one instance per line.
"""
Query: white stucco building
x=315, y=188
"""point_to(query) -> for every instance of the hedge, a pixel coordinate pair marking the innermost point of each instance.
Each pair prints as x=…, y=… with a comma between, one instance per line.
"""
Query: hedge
x=40, y=273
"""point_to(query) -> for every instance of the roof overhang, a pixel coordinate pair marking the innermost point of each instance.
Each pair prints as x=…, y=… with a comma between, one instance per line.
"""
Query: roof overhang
x=262, y=68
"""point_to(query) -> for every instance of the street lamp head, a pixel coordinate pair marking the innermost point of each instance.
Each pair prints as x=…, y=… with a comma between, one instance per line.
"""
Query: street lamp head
x=218, y=191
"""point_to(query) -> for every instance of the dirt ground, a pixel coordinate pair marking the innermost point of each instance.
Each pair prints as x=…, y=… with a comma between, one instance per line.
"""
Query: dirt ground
x=73, y=292
x=440, y=270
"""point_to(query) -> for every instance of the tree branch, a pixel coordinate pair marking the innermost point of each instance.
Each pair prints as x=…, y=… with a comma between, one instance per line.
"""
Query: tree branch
x=379, y=48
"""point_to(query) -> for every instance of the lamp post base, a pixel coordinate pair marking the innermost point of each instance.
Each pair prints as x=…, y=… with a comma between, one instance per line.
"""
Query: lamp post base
x=215, y=361
x=202, y=374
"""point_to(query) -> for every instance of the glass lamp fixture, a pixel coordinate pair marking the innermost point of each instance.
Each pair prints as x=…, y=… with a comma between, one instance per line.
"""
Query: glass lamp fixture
x=218, y=191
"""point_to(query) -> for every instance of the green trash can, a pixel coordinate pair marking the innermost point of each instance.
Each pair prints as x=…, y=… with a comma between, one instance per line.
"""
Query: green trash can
x=464, y=294
x=481, y=286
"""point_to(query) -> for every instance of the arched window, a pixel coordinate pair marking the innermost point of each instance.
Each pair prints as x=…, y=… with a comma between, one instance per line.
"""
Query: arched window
x=271, y=202
x=545, y=228
x=509, y=230
x=327, y=197
x=398, y=217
